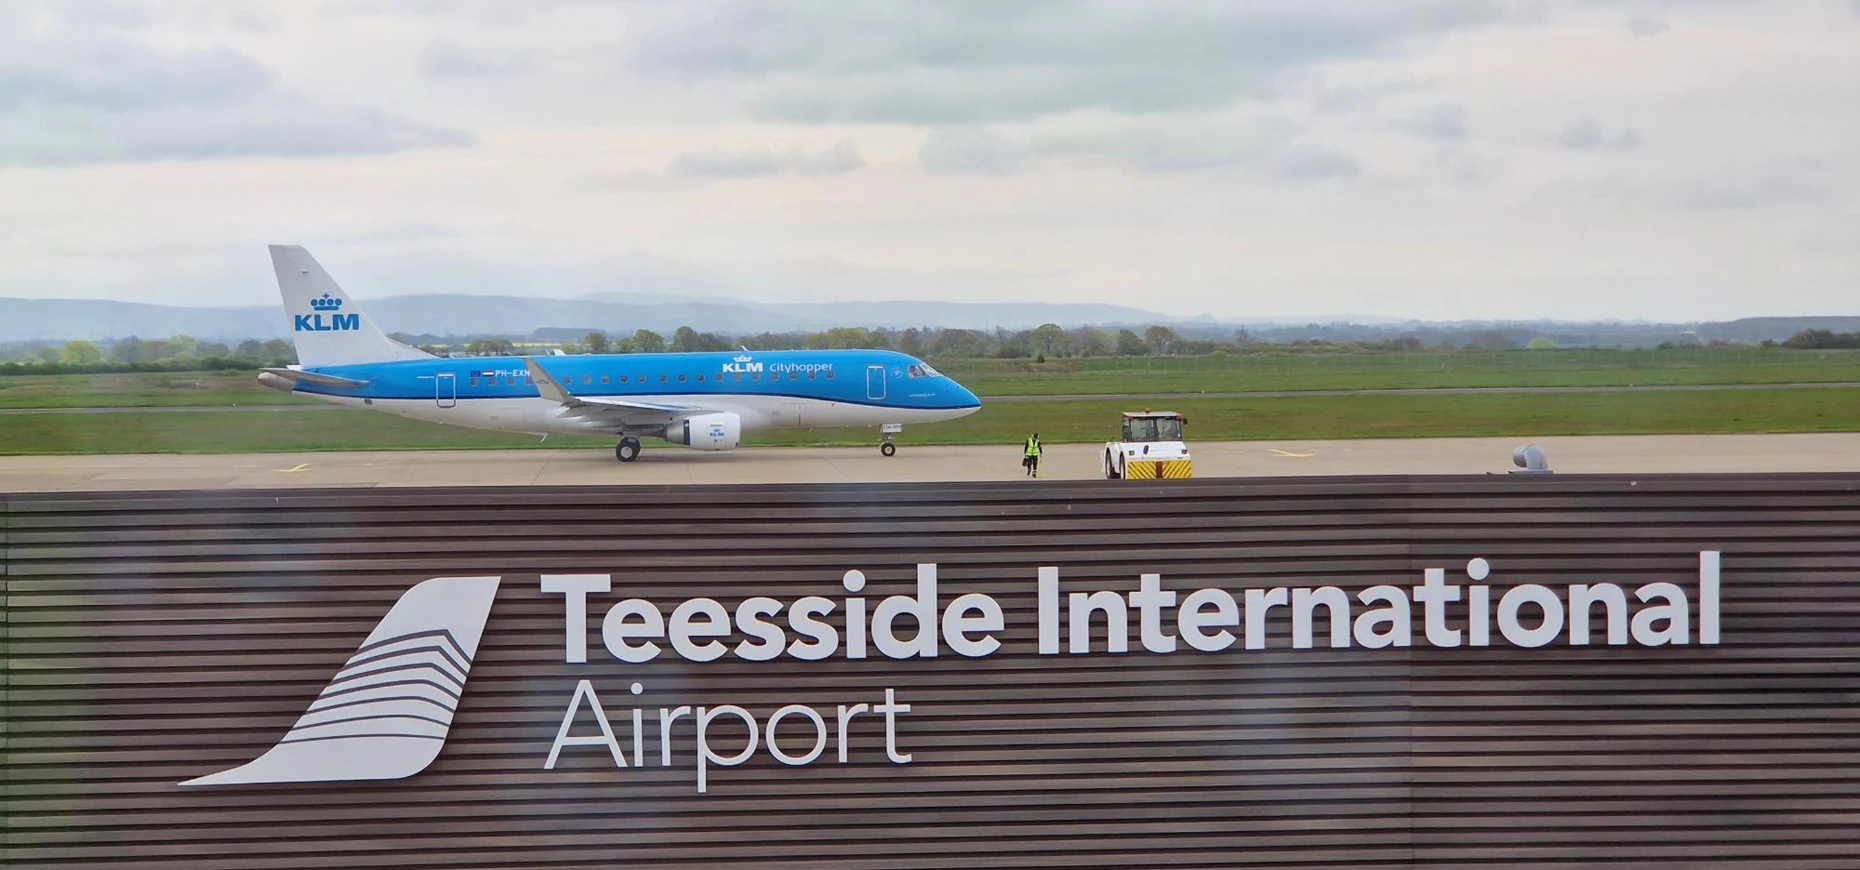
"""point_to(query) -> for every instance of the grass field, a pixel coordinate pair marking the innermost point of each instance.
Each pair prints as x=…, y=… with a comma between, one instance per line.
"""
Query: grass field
x=140, y=390
x=1395, y=371
x=1181, y=375
x=1380, y=416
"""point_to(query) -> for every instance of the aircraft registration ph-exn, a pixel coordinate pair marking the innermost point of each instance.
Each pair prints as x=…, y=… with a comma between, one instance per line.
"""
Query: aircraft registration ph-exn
x=701, y=400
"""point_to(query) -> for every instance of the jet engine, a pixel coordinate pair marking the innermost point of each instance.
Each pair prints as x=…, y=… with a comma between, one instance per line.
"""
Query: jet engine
x=716, y=431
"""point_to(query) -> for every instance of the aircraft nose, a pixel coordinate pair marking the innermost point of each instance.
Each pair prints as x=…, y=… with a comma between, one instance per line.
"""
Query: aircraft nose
x=965, y=397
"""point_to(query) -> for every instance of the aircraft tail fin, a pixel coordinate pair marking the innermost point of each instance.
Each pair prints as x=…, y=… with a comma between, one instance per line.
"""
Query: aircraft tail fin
x=327, y=326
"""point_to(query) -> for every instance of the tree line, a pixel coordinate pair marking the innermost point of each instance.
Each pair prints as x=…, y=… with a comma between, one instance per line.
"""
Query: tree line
x=1048, y=341
x=133, y=354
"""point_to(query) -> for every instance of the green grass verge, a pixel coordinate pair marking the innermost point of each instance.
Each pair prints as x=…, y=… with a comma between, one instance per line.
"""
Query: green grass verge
x=1273, y=371
x=1387, y=416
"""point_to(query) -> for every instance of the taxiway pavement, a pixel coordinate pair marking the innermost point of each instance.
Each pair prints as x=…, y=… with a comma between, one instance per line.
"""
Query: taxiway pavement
x=1646, y=454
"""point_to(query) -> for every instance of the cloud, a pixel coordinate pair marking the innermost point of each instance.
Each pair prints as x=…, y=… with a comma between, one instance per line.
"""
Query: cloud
x=135, y=15
x=1783, y=182
x=974, y=152
x=1316, y=163
x=1367, y=97
x=277, y=128
x=111, y=73
x=1441, y=122
x=1647, y=25
x=922, y=63
x=72, y=95
x=1788, y=181
x=837, y=160
x=1586, y=134
x=1266, y=144
x=446, y=59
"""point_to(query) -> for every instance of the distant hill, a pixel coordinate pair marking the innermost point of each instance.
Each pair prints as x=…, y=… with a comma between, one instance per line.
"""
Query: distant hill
x=67, y=319
x=1752, y=329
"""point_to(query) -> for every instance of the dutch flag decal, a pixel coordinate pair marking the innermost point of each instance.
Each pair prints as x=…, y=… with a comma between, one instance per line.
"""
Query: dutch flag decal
x=385, y=714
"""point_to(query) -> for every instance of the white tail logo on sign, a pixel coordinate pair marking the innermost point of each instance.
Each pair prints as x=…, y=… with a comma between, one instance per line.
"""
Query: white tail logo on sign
x=386, y=712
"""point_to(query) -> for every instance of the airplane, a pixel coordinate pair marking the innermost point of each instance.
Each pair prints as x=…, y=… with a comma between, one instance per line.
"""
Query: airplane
x=706, y=401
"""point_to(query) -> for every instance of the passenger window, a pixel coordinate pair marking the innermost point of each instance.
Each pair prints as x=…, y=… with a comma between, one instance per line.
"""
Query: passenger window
x=603, y=380
x=622, y=379
x=829, y=374
x=474, y=382
x=589, y=379
x=662, y=379
x=739, y=376
x=811, y=374
x=700, y=377
x=755, y=376
x=794, y=376
x=681, y=377
x=510, y=382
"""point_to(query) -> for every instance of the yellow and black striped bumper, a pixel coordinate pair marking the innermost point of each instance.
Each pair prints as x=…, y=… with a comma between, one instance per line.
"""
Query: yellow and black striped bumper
x=1157, y=469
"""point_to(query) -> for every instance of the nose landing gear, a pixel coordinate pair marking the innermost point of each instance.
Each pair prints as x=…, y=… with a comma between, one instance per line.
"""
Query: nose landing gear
x=885, y=447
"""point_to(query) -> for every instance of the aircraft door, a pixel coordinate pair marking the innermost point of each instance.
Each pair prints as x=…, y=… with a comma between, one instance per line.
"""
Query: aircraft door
x=446, y=389
x=875, y=383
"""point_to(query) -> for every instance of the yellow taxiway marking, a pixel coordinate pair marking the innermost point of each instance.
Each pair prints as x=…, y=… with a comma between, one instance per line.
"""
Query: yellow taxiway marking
x=1289, y=455
x=300, y=467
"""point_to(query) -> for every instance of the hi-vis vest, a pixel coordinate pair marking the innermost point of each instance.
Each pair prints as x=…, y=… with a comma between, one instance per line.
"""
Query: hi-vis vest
x=1033, y=447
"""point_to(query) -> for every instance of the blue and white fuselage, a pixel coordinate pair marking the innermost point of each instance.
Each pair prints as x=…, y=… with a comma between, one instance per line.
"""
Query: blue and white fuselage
x=702, y=400
x=767, y=390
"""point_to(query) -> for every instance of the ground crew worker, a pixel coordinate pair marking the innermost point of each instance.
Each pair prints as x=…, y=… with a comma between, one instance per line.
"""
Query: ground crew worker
x=1031, y=457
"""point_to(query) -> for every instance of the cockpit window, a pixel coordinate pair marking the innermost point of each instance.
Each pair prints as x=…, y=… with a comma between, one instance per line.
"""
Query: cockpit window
x=921, y=370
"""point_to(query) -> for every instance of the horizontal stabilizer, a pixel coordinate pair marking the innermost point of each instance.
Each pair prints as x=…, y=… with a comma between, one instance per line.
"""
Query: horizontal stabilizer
x=315, y=378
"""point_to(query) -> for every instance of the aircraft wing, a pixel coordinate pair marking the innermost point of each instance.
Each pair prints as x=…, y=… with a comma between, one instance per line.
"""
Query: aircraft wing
x=314, y=377
x=616, y=412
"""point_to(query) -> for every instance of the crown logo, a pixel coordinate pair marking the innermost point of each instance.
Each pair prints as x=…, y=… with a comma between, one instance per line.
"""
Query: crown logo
x=327, y=303
x=743, y=357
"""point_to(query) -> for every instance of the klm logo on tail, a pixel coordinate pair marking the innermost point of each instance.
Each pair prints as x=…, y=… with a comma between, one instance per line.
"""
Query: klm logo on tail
x=335, y=323
x=386, y=712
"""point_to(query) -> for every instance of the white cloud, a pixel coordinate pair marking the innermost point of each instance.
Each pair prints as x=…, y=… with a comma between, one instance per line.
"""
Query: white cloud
x=444, y=58
x=1437, y=158
x=72, y=92
x=1647, y=25
x=1443, y=122
x=837, y=160
x=1586, y=134
x=1268, y=144
x=938, y=63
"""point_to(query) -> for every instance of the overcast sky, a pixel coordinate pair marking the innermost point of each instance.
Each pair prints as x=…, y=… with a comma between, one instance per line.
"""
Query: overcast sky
x=1443, y=159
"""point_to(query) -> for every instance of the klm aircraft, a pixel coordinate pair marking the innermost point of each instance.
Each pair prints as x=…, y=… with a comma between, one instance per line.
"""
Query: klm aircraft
x=701, y=400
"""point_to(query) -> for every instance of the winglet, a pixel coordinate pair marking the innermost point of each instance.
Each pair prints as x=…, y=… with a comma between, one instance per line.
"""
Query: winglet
x=547, y=386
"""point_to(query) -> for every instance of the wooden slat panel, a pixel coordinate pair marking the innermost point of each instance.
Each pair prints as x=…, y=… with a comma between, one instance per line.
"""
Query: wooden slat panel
x=151, y=637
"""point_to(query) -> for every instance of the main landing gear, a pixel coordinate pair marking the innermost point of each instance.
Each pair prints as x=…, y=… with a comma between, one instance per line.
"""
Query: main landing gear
x=885, y=447
x=627, y=450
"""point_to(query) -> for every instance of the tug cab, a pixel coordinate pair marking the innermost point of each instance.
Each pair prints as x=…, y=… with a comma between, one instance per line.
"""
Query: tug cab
x=1150, y=446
